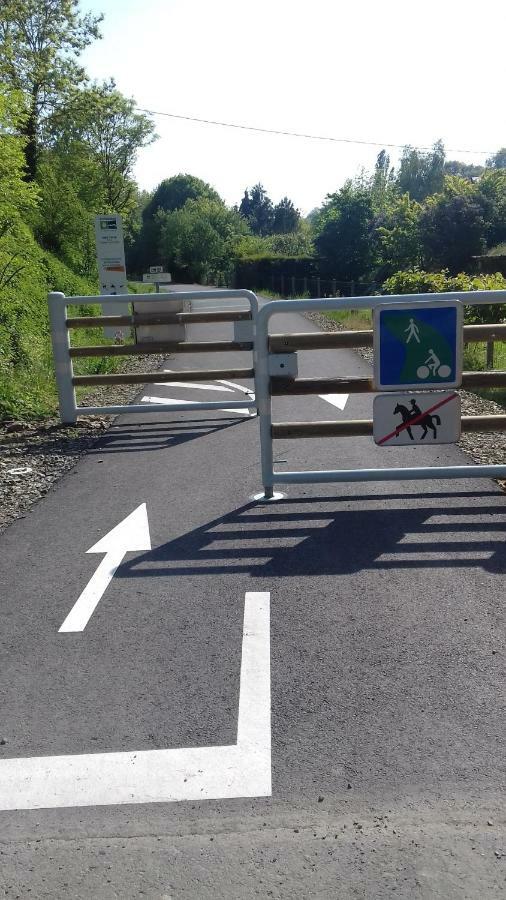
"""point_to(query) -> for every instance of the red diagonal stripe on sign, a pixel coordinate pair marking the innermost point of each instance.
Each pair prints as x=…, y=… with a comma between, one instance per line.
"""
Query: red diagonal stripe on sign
x=416, y=419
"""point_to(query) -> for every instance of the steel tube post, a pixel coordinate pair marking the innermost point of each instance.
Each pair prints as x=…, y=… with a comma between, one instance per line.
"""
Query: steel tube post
x=263, y=400
x=62, y=362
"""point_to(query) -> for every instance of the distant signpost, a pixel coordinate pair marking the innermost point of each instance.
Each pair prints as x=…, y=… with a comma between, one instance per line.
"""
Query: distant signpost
x=418, y=345
x=112, y=269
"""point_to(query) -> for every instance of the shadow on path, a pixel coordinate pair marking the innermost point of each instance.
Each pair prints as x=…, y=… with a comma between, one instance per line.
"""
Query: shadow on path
x=280, y=540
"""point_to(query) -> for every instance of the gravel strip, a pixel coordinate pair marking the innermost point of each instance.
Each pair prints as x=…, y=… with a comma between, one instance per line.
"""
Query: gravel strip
x=34, y=455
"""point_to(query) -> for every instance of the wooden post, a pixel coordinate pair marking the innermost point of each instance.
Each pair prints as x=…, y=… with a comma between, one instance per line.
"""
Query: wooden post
x=293, y=285
x=334, y=287
x=490, y=355
x=305, y=284
x=282, y=286
x=318, y=286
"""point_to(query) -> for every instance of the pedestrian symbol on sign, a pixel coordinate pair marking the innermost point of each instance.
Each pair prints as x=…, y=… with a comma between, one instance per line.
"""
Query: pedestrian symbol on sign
x=413, y=331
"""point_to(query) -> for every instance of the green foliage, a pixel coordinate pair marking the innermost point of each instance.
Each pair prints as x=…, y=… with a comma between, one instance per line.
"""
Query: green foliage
x=286, y=218
x=465, y=170
x=257, y=209
x=452, y=226
x=296, y=243
x=100, y=128
x=498, y=160
x=26, y=375
x=416, y=281
x=398, y=234
x=170, y=195
x=492, y=190
x=17, y=198
x=421, y=173
x=40, y=41
x=200, y=239
x=344, y=231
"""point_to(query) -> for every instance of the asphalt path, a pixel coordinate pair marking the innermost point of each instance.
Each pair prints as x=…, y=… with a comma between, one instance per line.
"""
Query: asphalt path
x=386, y=633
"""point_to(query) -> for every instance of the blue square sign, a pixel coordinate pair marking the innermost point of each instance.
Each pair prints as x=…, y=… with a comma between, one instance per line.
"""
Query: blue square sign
x=418, y=345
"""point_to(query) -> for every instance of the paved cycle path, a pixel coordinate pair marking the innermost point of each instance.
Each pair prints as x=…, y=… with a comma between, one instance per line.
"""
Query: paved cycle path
x=382, y=608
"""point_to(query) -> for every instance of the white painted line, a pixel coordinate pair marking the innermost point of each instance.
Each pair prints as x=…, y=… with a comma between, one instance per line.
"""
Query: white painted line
x=229, y=384
x=239, y=387
x=163, y=776
x=131, y=534
x=339, y=400
x=239, y=412
x=196, y=386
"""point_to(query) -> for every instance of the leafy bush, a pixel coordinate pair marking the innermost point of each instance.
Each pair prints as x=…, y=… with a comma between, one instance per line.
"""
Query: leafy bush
x=416, y=281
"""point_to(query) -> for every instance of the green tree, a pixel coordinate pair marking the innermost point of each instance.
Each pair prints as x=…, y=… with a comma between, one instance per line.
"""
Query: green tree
x=492, y=189
x=256, y=207
x=498, y=160
x=398, y=235
x=452, y=226
x=344, y=231
x=465, y=170
x=200, y=239
x=421, y=173
x=99, y=127
x=382, y=180
x=295, y=243
x=170, y=195
x=40, y=42
x=285, y=218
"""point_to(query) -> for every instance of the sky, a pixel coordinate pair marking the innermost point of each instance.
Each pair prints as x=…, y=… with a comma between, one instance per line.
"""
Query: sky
x=385, y=71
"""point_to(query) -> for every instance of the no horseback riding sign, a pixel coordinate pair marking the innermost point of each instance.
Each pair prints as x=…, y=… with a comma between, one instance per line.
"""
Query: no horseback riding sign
x=418, y=345
x=416, y=418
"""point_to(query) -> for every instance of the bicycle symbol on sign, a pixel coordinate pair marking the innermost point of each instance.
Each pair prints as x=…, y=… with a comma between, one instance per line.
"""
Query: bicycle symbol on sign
x=432, y=365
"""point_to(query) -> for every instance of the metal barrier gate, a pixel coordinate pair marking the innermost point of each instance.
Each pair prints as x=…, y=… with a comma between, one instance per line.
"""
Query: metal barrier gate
x=64, y=353
x=275, y=355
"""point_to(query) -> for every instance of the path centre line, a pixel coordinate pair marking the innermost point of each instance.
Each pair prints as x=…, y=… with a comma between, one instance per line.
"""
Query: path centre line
x=163, y=776
x=416, y=419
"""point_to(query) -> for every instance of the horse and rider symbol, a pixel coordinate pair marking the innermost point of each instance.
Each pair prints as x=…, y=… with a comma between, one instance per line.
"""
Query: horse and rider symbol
x=416, y=417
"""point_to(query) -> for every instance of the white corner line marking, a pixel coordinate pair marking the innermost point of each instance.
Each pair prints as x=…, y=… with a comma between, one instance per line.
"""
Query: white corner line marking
x=239, y=387
x=339, y=400
x=131, y=534
x=164, y=776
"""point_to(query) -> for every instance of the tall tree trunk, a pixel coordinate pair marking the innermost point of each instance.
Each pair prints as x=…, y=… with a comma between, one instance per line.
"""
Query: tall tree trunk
x=31, y=147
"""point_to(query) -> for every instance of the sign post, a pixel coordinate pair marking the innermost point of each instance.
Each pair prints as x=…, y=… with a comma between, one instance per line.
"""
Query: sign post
x=111, y=267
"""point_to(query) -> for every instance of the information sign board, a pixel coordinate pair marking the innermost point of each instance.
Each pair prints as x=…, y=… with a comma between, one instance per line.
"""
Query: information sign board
x=112, y=268
x=418, y=345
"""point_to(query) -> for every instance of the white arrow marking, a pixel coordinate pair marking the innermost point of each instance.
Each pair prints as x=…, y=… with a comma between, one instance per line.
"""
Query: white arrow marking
x=131, y=534
x=163, y=776
x=339, y=400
